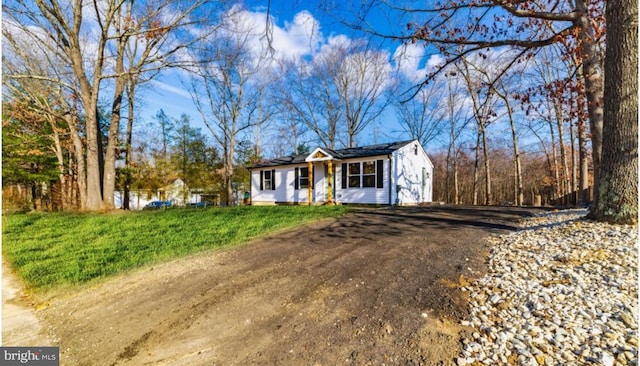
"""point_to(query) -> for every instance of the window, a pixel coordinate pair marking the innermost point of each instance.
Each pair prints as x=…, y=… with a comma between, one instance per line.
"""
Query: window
x=302, y=178
x=354, y=175
x=267, y=180
x=369, y=174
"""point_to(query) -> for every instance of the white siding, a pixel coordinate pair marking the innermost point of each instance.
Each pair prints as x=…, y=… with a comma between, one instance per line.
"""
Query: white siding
x=407, y=180
x=285, y=187
x=410, y=187
x=292, y=194
x=371, y=195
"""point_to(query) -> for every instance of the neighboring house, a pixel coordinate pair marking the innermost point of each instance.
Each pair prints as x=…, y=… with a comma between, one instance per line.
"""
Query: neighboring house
x=398, y=173
x=174, y=193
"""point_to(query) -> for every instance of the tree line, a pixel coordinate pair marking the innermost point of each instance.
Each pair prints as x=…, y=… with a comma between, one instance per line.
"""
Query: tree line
x=517, y=106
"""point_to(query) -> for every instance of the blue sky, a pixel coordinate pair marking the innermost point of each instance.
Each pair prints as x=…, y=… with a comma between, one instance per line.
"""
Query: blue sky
x=301, y=29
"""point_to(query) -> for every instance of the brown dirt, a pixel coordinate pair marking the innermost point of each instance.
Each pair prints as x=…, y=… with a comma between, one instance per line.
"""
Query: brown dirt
x=377, y=286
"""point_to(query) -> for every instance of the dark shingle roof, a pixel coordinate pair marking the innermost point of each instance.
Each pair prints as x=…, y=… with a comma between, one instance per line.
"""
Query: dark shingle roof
x=348, y=153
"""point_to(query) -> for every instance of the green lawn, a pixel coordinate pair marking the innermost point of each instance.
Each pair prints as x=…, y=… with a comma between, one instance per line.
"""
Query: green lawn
x=53, y=249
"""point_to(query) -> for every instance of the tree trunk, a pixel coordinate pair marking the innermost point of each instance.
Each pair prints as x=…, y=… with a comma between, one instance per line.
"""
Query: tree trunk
x=618, y=182
x=574, y=163
x=519, y=199
x=128, y=148
x=72, y=201
x=109, y=180
x=564, y=178
x=229, y=152
x=89, y=96
x=488, y=198
x=57, y=148
x=554, y=155
x=447, y=194
x=93, y=144
x=81, y=173
x=593, y=88
x=352, y=141
x=583, y=157
x=94, y=189
x=456, y=187
x=452, y=146
x=476, y=164
x=583, y=151
x=109, y=168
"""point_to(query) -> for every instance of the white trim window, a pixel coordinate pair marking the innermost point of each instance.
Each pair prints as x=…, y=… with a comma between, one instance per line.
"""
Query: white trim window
x=363, y=174
x=369, y=174
x=267, y=180
x=354, y=175
x=302, y=178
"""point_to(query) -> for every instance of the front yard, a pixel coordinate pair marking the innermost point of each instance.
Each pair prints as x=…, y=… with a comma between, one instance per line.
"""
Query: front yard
x=49, y=250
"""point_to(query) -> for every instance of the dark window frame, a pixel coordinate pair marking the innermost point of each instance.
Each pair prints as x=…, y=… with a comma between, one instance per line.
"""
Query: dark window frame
x=302, y=179
x=268, y=183
x=268, y=180
x=371, y=179
x=354, y=179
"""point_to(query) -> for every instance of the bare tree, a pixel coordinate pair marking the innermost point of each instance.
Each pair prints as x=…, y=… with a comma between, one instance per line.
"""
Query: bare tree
x=363, y=78
x=148, y=43
x=88, y=39
x=422, y=116
x=555, y=88
x=309, y=97
x=545, y=105
x=517, y=164
x=63, y=28
x=458, y=121
x=144, y=43
x=582, y=137
x=227, y=87
x=36, y=76
x=447, y=25
x=483, y=99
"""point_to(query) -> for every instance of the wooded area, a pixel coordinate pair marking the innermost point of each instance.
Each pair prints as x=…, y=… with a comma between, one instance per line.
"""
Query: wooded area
x=517, y=110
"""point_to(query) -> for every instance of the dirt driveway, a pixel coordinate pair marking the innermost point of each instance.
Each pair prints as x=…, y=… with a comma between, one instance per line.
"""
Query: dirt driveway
x=373, y=287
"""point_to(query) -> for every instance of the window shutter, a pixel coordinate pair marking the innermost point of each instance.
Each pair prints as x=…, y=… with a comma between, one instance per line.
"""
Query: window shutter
x=344, y=175
x=261, y=180
x=379, y=175
x=297, y=184
x=273, y=180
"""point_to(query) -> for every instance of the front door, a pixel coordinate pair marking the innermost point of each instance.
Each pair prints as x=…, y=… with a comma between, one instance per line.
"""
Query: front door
x=319, y=183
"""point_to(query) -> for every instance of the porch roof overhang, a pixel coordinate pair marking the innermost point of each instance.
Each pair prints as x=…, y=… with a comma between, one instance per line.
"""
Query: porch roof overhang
x=320, y=154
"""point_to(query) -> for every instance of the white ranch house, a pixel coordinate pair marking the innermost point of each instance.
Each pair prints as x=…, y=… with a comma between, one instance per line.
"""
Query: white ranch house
x=398, y=173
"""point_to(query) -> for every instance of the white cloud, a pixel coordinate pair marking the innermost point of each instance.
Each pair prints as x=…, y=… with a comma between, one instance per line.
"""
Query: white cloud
x=434, y=62
x=410, y=62
x=171, y=89
x=298, y=38
x=407, y=59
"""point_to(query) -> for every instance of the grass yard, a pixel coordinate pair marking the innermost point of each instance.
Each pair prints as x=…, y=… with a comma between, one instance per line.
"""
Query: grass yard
x=55, y=249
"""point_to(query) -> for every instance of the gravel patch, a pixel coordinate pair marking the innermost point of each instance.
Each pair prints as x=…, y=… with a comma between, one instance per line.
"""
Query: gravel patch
x=562, y=290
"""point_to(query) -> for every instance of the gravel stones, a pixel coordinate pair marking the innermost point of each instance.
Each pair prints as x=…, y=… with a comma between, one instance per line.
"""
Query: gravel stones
x=562, y=290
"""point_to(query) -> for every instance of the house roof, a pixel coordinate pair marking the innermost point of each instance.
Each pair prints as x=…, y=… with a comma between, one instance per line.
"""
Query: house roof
x=348, y=153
